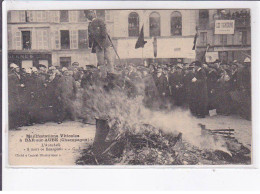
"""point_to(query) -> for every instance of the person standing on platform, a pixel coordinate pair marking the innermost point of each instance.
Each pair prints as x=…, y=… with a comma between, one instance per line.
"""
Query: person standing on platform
x=99, y=42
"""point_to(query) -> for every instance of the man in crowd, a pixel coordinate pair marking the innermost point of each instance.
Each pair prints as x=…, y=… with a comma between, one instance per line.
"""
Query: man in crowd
x=14, y=94
x=66, y=92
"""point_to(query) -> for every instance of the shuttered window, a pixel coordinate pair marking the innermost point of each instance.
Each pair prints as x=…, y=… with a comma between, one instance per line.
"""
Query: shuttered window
x=57, y=39
x=18, y=40
x=73, y=16
x=74, y=39
x=42, y=39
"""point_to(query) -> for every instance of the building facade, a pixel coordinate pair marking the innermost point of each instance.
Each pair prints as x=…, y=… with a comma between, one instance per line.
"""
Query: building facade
x=56, y=38
x=227, y=46
x=60, y=38
x=172, y=31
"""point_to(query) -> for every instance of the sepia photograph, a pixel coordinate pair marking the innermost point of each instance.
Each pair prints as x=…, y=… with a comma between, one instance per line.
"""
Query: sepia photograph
x=139, y=87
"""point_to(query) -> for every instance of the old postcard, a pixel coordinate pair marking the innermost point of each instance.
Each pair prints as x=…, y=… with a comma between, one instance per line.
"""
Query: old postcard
x=129, y=87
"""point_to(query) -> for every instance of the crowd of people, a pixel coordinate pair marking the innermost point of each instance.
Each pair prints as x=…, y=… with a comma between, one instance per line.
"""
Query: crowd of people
x=41, y=94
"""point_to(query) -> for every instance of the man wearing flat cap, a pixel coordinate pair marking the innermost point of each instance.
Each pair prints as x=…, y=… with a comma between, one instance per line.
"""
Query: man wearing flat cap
x=99, y=42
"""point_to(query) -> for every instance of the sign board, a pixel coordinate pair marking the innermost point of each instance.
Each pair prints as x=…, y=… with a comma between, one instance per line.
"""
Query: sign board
x=224, y=26
x=211, y=56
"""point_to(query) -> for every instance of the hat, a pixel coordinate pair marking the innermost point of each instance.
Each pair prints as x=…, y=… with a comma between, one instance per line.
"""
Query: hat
x=34, y=69
x=247, y=60
x=191, y=66
x=13, y=65
x=52, y=68
x=179, y=66
x=217, y=61
x=64, y=69
x=41, y=65
x=28, y=70
x=235, y=61
x=179, y=60
x=75, y=64
x=90, y=66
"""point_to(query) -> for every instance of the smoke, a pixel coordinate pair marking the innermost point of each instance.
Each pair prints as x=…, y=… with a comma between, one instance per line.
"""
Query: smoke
x=126, y=113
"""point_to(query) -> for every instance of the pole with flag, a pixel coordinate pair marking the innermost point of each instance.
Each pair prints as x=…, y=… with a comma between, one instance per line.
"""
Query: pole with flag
x=195, y=39
x=204, y=56
x=140, y=41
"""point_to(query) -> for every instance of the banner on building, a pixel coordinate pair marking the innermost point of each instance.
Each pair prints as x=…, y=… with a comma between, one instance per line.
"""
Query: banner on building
x=166, y=48
x=224, y=26
x=211, y=57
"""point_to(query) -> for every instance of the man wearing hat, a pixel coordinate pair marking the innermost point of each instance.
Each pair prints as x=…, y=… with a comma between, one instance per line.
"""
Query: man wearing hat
x=99, y=42
x=176, y=85
x=66, y=92
x=199, y=91
x=244, y=85
x=187, y=77
x=162, y=86
x=14, y=96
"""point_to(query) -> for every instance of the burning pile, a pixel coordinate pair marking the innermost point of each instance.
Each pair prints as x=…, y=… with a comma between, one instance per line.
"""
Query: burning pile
x=130, y=134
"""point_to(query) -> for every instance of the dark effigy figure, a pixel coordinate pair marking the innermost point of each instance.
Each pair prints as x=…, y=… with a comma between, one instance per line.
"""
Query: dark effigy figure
x=199, y=93
x=99, y=42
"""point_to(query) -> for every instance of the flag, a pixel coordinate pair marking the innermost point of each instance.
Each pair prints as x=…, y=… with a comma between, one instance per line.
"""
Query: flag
x=140, y=41
x=195, y=41
x=204, y=56
x=155, y=47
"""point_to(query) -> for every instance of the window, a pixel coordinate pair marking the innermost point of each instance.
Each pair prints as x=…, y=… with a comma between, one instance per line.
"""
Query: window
x=133, y=24
x=55, y=16
x=42, y=39
x=203, y=19
x=64, y=16
x=74, y=39
x=82, y=17
x=30, y=16
x=83, y=39
x=22, y=16
x=65, y=61
x=18, y=40
x=223, y=39
x=242, y=37
x=9, y=37
x=9, y=16
x=26, y=36
x=203, y=38
x=223, y=56
x=100, y=14
x=73, y=16
x=65, y=39
x=57, y=39
x=154, y=24
x=108, y=15
x=41, y=16
x=176, y=24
